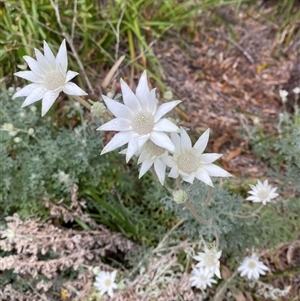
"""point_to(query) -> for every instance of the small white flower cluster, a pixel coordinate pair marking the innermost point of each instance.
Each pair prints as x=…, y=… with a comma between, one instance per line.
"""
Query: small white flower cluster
x=139, y=121
x=283, y=94
x=208, y=266
x=141, y=126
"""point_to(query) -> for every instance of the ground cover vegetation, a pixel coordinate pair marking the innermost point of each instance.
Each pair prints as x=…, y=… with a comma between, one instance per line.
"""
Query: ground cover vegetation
x=167, y=218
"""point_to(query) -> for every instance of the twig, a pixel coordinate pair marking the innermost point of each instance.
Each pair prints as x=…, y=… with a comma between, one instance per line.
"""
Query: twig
x=245, y=53
x=112, y=71
x=219, y=294
x=82, y=101
x=74, y=20
x=42, y=297
x=116, y=32
x=68, y=39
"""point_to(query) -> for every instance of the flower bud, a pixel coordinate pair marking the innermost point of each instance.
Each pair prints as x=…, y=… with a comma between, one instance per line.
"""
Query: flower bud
x=180, y=196
x=98, y=109
x=17, y=140
x=30, y=131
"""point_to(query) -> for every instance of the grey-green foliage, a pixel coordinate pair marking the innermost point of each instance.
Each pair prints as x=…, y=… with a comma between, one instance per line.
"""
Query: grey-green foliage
x=47, y=162
x=282, y=151
x=276, y=222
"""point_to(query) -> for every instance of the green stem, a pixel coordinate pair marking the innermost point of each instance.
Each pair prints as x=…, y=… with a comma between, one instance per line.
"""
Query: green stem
x=253, y=214
x=196, y=215
x=208, y=198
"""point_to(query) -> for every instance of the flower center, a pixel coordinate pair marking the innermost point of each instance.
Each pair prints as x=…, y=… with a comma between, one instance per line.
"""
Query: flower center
x=107, y=282
x=210, y=260
x=251, y=264
x=263, y=194
x=54, y=79
x=188, y=162
x=153, y=149
x=202, y=278
x=143, y=123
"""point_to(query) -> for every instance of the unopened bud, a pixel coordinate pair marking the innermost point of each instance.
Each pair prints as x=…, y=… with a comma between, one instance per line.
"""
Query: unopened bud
x=17, y=140
x=168, y=95
x=180, y=196
x=96, y=271
x=98, y=109
x=296, y=90
x=30, y=131
x=10, y=234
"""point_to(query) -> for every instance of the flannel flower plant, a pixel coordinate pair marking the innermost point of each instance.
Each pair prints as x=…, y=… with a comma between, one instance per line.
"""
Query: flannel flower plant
x=49, y=77
x=156, y=141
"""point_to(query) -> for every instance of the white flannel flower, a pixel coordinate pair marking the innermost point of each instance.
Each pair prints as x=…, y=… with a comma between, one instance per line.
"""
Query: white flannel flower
x=201, y=278
x=296, y=90
x=262, y=192
x=152, y=154
x=49, y=77
x=190, y=162
x=105, y=283
x=209, y=260
x=283, y=95
x=251, y=267
x=138, y=119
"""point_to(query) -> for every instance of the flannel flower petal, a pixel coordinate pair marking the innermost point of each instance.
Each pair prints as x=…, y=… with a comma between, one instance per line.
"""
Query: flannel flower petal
x=105, y=283
x=209, y=260
x=138, y=120
x=262, y=192
x=190, y=162
x=251, y=267
x=152, y=154
x=201, y=278
x=49, y=77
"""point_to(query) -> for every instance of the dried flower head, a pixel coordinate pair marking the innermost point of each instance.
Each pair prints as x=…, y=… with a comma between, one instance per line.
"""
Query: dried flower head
x=49, y=77
x=138, y=119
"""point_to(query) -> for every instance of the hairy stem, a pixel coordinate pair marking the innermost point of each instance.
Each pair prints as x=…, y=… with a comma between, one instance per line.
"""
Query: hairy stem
x=253, y=214
x=208, y=198
x=196, y=215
